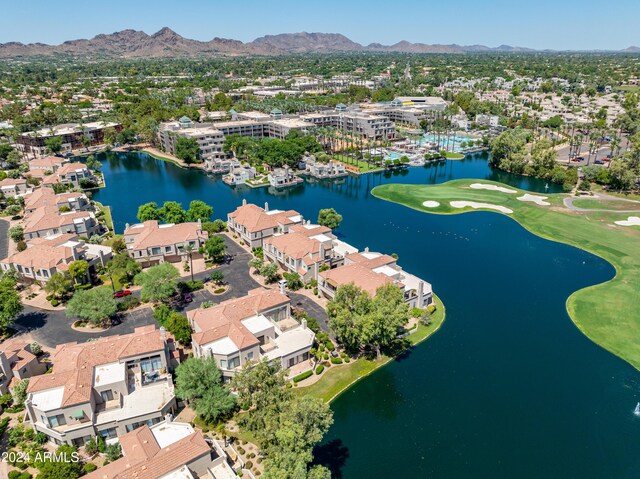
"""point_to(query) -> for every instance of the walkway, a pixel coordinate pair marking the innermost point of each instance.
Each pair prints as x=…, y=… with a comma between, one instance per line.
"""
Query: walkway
x=4, y=239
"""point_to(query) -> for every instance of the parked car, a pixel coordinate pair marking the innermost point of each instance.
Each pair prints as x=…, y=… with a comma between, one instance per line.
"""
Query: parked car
x=121, y=293
x=599, y=162
x=187, y=298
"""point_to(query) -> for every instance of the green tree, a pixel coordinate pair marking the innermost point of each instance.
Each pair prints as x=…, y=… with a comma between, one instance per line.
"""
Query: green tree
x=16, y=233
x=123, y=267
x=78, y=270
x=92, y=163
x=64, y=465
x=10, y=305
x=54, y=144
x=330, y=218
x=93, y=305
x=270, y=272
x=199, y=210
x=220, y=102
x=187, y=149
x=178, y=325
x=389, y=313
x=148, y=211
x=217, y=276
x=198, y=380
x=172, y=212
x=215, y=248
x=20, y=391
x=58, y=285
x=158, y=282
x=508, y=150
x=294, y=282
x=347, y=312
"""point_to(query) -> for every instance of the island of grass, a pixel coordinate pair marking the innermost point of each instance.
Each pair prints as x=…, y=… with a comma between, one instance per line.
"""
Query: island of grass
x=608, y=313
x=450, y=155
x=339, y=378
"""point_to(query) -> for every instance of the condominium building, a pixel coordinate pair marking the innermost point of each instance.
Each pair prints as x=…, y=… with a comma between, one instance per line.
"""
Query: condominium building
x=13, y=187
x=254, y=224
x=318, y=169
x=52, y=254
x=49, y=221
x=47, y=163
x=167, y=450
x=74, y=135
x=109, y=387
x=17, y=362
x=73, y=201
x=248, y=329
x=69, y=174
x=370, y=271
x=153, y=243
x=283, y=178
x=370, y=126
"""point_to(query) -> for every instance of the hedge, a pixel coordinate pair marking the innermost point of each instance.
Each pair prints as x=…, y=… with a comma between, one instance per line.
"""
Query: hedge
x=319, y=369
x=336, y=360
x=302, y=377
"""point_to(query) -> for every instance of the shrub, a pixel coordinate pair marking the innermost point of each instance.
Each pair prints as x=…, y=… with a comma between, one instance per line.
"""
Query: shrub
x=431, y=308
x=207, y=304
x=330, y=346
x=241, y=450
x=416, y=312
x=325, y=356
x=217, y=277
x=113, y=452
x=188, y=286
x=21, y=246
x=55, y=302
x=219, y=291
x=40, y=438
x=91, y=446
x=19, y=475
x=319, y=369
x=336, y=360
x=302, y=376
x=82, y=287
x=129, y=302
x=347, y=359
x=248, y=465
x=89, y=467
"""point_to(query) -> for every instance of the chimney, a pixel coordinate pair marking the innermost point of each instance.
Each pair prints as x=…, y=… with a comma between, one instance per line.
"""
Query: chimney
x=199, y=224
x=283, y=283
x=163, y=333
x=266, y=207
x=126, y=226
x=304, y=323
x=420, y=294
x=169, y=417
x=244, y=202
x=366, y=250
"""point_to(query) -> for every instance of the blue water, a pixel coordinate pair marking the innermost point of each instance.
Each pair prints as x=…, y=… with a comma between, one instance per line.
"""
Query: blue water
x=508, y=388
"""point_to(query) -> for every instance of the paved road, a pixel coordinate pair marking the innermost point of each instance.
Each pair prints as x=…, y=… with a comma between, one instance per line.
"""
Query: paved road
x=52, y=328
x=4, y=239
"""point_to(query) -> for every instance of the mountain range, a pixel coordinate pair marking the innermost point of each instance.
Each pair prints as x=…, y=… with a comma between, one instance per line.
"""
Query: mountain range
x=166, y=43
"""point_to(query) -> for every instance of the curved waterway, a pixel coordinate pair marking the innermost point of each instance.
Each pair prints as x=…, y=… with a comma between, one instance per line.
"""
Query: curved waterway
x=508, y=388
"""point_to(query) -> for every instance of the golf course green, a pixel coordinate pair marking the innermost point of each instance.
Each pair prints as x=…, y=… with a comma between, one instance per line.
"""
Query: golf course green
x=607, y=313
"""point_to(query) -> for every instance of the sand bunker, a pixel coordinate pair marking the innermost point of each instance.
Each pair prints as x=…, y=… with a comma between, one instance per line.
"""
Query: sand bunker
x=483, y=186
x=538, y=200
x=631, y=221
x=430, y=204
x=474, y=205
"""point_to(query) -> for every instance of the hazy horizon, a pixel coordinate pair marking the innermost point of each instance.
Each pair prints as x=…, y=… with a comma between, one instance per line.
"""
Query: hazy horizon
x=572, y=25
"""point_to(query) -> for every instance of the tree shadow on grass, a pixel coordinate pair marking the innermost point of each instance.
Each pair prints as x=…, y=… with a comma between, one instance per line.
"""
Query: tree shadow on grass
x=333, y=455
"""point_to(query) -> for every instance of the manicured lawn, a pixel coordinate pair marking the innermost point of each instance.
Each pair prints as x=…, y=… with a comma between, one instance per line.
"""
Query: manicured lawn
x=454, y=156
x=363, y=166
x=107, y=215
x=338, y=379
x=597, y=204
x=608, y=313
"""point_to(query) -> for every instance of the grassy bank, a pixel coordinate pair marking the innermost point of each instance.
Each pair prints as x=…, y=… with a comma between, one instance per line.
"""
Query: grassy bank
x=608, y=313
x=107, y=215
x=454, y=156
x=338, y=379
x=599, y=204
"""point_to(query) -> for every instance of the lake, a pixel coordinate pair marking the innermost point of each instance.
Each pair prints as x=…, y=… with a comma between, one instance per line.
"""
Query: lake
x=507, y=388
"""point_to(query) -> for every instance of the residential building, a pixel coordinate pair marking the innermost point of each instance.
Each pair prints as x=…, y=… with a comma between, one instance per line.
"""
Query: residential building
x=70, y=174
x=52, y=254
x=488, y=120
x=254, y=224
x=304, y=249
x=73, y=136
x=48, y=221
x=248, y=329
x=317, y=169
x=109, y=387
x=167, y=450
x=283, y=178
x=47, y=163
x=41, y=197
x=13, y=187
x=239, y=174
x=17, y=362
x=370, y=126
x=370, y=271
x=210, y=139
x=153, y=243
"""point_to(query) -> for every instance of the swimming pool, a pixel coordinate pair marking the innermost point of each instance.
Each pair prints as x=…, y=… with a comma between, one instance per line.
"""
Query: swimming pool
x=453, y=142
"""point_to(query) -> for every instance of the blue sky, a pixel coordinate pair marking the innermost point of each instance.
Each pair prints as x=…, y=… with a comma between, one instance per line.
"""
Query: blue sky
x=559, y=24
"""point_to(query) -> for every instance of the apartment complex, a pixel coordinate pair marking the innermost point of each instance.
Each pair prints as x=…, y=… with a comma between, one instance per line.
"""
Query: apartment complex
x=69, y=174
x=41, y=197
x=109, y=387
x=167, y=450
x=248, y=329
x=152, y=243
x=11, y=188
x=74, y=135
x=17, y=362
x=52, y=254
x=254, y=224
x=370, y=271
x=49, y=221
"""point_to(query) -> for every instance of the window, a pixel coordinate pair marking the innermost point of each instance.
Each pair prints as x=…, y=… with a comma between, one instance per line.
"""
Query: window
x=250, y=356
x=107, y=395
x=223, y=364
x=108, y=433
x=234, y=363
x=55, y=421
x=155, y=251
x=150, y=364
x=167, y=249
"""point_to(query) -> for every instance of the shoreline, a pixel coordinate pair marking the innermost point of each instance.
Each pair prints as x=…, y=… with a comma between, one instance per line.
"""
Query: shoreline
x=316, y=389
x=572, y=304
